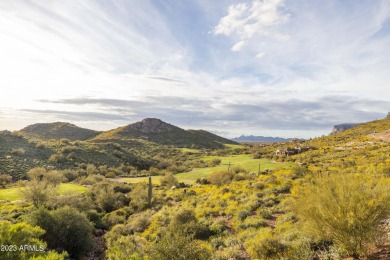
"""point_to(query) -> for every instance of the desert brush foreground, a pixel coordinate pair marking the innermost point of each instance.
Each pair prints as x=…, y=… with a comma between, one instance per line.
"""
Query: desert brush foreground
x=151, y=190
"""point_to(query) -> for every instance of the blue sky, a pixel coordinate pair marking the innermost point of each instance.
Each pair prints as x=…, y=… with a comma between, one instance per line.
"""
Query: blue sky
x=289, y=68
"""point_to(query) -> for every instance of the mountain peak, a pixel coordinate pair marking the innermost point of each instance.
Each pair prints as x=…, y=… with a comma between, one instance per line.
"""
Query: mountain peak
x=151, y=125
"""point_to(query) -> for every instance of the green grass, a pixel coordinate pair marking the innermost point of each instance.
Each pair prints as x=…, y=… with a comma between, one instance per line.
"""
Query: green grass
x=188, y=150
x=63, y=188
x=155, y=179
x=246, y=161
x=234, y=146
x=70, y=188
x=10, y=194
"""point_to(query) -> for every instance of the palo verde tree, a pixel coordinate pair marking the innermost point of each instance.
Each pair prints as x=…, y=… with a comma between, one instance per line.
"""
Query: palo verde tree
x=345, y=209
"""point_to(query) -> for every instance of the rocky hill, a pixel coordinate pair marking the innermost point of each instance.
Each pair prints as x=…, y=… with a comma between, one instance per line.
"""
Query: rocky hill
x=57, y=130
x=157, y=131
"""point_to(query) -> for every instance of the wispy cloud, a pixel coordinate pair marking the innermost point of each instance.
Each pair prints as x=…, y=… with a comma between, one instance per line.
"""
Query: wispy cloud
x=238, y=46
x=257, y=18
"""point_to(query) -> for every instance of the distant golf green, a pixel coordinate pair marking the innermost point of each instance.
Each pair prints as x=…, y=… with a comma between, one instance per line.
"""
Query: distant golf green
x=63, y=188
x=245, y=161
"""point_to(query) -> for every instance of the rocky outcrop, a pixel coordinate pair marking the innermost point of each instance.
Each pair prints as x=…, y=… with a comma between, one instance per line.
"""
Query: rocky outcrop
x=342, y=127
x=388, y=115
x=151, y=125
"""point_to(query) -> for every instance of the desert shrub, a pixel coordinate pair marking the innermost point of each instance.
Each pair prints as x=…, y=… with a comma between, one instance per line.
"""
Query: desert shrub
x=219, y=225
x=169, y=180
x=38, y=192
x=5, y=179
x=221, y=177
x=252, y=223
x=258, y=185
x=238, y=169
x=186, y=223
x=243, y=214
x=180, y=247
x=18, y=151
x=141, y=221
x=139, y=196
x=36, y=173
x=91, y=179
x=122, y=188
x=106, y=198
x=81, y=202
x=215, y=162
x=131, y=247
x=300, y=171
x=345, y=209
x=95, y=218
x=270, y=248
x=40, y=145
x=91, y=169
x=110, y=175
x=70, y=175
x=66, y=228
x=12, y=236
x=285, y=188
x=57, y=158
x=54, y=177
x=202, y=180
x=113, y=218
x=265, y=213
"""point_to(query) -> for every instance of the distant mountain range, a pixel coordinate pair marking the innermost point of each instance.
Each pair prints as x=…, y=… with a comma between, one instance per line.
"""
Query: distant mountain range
x=149, y=129
x=252, y=138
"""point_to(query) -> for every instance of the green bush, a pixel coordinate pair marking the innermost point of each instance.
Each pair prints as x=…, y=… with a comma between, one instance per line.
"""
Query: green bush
x=14, y=236
x=5, y=179
x=169, y=180
x=66, y=228
x=38, y=192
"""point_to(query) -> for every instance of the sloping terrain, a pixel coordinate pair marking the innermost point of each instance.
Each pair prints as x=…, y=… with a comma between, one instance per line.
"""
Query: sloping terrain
x=384, y=136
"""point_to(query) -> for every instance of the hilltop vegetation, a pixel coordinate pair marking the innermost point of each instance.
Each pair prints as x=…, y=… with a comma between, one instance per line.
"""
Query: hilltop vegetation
x=329, y=201
x=57, y=130
x=126, y=150
x=157, y=131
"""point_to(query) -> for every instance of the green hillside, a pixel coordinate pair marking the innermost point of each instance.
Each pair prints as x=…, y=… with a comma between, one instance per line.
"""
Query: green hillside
x=354, y=150
x=157, y=131
x=57, y=130
x=329, y=201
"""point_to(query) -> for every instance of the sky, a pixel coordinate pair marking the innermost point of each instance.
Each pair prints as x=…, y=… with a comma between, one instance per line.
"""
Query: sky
x=287, y=68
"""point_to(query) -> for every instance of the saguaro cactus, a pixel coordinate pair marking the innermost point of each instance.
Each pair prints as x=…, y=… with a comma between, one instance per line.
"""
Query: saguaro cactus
x=150, y=192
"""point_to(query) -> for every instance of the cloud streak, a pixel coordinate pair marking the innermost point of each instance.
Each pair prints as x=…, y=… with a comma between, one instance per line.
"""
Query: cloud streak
x=282, y=114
